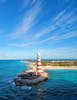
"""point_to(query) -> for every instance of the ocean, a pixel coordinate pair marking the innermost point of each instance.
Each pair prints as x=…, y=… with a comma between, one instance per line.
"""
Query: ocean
x=61, y=85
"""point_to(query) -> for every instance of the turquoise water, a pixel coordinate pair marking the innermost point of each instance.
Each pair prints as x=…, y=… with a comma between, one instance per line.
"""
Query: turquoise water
x=62, y=84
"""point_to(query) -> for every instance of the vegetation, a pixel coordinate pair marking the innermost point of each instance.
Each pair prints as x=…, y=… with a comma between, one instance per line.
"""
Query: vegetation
x=59, y=63
x=56, y=63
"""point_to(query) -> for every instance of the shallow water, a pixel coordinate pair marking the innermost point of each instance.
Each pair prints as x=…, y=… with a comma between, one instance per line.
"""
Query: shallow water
x=62, y=84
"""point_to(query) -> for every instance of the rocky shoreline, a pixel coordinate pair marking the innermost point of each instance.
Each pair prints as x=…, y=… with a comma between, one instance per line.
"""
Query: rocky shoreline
x=30, y=78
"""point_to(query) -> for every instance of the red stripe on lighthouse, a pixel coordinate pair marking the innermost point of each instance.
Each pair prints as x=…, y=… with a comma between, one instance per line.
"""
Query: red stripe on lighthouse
x=39, y=67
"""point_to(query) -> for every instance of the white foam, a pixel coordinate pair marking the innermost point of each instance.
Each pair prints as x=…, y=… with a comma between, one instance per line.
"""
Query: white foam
x=12, y=83
x=21, y=87
x=26, y=87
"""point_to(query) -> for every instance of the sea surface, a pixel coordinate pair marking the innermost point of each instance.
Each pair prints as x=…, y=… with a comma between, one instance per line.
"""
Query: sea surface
x=61, y=85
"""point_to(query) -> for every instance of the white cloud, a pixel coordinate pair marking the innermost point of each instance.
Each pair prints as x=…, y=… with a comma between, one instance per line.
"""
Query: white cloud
x=61, y=21
x=27, y=3
x=53, y=39
x=25, y=45
x=56, y=38
x=44, y=31
x=28, y=21
x=61, y=52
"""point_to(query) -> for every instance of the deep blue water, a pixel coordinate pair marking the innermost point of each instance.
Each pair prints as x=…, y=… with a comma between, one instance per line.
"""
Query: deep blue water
x=62, y=84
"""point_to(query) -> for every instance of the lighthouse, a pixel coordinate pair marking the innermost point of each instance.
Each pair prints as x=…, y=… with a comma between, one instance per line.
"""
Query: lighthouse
x=31, y=77
x=39, y=66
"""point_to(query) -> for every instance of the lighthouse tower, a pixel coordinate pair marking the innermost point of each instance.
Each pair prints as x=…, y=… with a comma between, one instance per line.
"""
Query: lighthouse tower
x=39, y=67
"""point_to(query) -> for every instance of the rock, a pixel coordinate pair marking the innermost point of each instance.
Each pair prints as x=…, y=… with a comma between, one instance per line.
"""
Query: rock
x=30, y=78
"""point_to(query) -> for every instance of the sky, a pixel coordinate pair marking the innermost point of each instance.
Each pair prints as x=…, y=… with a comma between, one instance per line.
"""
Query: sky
x=31, y=26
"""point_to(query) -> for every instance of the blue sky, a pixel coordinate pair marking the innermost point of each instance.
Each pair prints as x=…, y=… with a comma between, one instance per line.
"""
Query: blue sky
x=29, y=26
